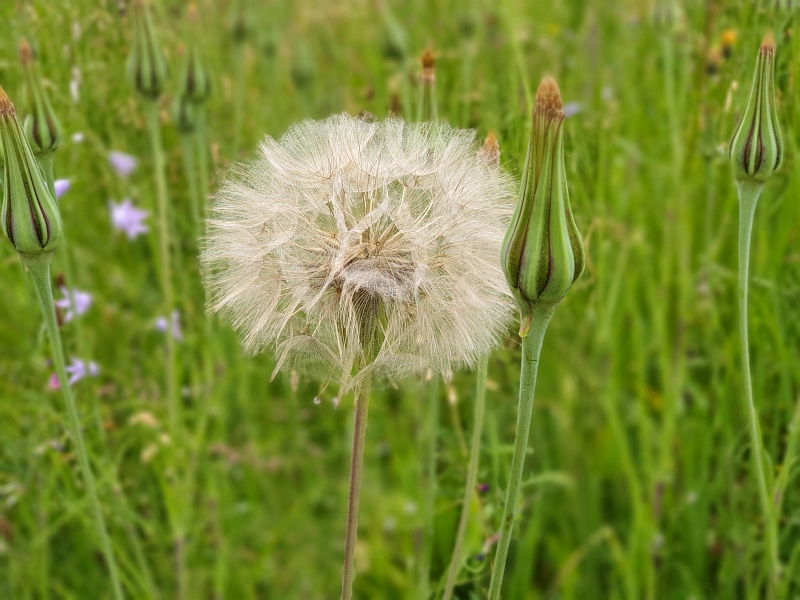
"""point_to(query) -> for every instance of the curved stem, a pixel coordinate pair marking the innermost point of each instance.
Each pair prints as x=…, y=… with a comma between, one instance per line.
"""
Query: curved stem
x=748, y=198
x=531, y=349
x=356, y=465
x=39, y=268
x=472, y=476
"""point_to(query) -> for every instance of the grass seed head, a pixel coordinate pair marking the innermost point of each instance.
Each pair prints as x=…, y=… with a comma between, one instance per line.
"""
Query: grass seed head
x=542, y=252
x=359, y=247
x=756, y=148
x=30, y=217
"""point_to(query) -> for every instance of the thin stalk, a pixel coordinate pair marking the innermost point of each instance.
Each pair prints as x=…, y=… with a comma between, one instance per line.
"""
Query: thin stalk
x=46, y=165
x=531, y=349
x=39, y=268
x=356, y=466
x=187, y=146
x=472, y=476
x=162, y=201
x=238, y=100
x=202, y=159
x=748, y=198
x=431, y=485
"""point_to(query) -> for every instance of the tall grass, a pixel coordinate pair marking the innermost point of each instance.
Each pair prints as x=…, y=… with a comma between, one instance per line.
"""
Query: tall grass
x=637, y=482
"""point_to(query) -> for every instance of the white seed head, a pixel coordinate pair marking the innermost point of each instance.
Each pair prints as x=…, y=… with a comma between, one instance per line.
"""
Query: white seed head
x=360, y=248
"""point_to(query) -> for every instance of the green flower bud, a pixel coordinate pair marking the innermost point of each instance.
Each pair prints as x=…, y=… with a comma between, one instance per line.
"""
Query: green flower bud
x=147, y=68
x=542, y=252
x=756, y=148
x=195, y=81
x=41, y=125
x=29, y=215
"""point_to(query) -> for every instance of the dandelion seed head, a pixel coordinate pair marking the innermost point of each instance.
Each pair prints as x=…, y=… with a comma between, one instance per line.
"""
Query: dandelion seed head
x=357, y=247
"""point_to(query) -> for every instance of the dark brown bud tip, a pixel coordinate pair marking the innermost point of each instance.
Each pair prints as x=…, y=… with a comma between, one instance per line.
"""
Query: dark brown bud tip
x=6, y=107
x=548, y=99
x=427, y=59
x=25, y=53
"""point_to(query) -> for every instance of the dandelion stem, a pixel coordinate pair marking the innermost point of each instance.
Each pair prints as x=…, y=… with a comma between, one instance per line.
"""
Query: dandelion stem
x=472, y=475
x=431, y=485
x=748, y=198
x=531, y=349
x=39, y=268
x=356, y=465
x=162, y=200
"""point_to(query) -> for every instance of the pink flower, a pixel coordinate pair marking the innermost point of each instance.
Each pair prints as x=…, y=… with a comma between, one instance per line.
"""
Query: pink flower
x=127, y=218
x=122, y=163
x=74, y=298
x=174, y=325
x=61, y=186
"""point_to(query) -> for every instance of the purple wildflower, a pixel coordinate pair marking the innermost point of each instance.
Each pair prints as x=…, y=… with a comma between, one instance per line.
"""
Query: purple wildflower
x=571, y=109
x=174, y=325
x=126, y=217
x=77, y=370
x=61, y=186
x=74, y=298
x=122, y=163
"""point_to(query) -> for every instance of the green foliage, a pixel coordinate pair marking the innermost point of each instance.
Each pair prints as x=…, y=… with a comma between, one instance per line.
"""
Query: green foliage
x=639, y=482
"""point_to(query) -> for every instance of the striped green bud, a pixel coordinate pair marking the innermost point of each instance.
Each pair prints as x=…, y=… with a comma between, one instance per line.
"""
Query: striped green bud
x=195, y=83
x=41, y=124
x=147, y=67
x=542, y=252
x=756, y=148
x=29, y=215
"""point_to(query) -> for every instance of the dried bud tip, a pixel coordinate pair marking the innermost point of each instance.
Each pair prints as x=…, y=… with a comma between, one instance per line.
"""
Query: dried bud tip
x=491, y=149
x=191, y=13
x=25, y=53
x=768, y=43
x=427, y=59
x=6, y=107
x=548, y=99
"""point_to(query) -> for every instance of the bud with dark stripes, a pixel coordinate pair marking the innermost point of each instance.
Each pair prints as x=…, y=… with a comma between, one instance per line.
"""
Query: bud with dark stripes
x=756, y=148
x=147, y=67
x=542, y=252
x=29, y=214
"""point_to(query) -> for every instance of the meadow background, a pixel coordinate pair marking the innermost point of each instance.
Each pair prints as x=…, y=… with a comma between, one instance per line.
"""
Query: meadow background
x=639, y=479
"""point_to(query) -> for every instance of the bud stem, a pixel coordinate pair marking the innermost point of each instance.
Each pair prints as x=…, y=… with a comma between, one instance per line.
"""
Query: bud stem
x=162, y=201
x=356, y=466
x=531, y=350
x=472, y=475
x=39, y=268
x=749, y=191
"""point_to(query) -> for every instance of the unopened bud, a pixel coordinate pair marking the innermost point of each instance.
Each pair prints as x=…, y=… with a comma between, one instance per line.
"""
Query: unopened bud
x=756, y=148
x=30, y=217
x=41, y=124
x=147, y=67
x=490, y=152
x=195, y=81
x=542, y=252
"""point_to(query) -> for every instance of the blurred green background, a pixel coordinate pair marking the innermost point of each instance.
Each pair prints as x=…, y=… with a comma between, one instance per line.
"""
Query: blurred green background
x=638, y=483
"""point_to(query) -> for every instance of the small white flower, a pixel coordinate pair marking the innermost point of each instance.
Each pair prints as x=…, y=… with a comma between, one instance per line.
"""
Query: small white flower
x=359, y=248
